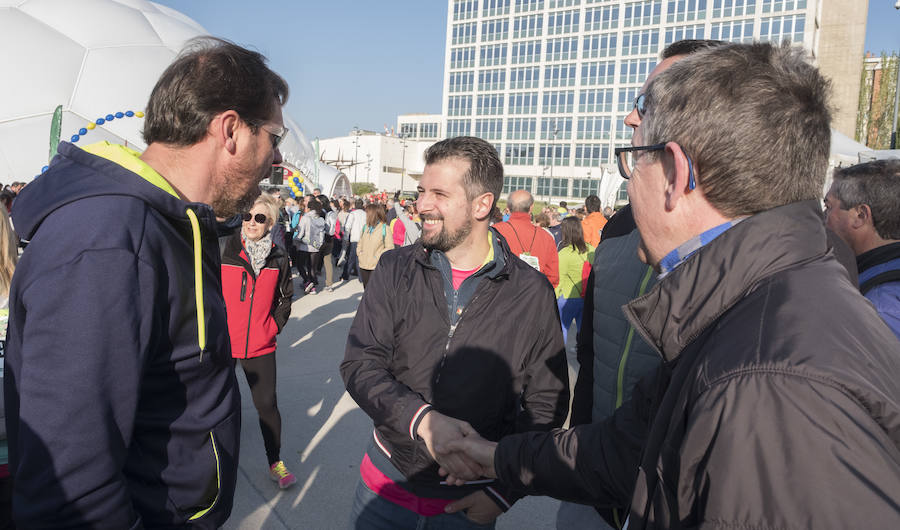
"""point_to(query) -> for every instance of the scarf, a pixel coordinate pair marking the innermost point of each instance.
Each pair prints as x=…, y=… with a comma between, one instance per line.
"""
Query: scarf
x=257, y=250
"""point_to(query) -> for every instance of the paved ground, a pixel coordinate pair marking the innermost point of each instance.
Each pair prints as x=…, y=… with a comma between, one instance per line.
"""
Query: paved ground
x=324, y=433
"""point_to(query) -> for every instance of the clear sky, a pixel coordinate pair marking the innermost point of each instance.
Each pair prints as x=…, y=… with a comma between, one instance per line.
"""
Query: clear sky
x=362, y=62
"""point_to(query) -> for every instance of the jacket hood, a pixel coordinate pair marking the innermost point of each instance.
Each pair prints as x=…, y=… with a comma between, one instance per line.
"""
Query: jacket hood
x=684, y=303
x=76, y=174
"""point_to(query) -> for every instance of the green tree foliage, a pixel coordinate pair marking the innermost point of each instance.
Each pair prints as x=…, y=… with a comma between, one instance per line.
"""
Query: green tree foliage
x=875, y=118
x=362, y=188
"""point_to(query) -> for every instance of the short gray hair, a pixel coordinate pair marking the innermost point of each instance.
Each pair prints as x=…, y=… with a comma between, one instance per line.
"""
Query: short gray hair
x=876, y=184
x=754, y=120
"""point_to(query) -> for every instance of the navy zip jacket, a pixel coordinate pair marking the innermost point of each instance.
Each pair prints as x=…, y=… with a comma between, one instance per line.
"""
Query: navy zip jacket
x=122, y=404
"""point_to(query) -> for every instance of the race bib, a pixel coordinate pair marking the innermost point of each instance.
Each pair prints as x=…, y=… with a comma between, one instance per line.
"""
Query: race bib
x=531, y=260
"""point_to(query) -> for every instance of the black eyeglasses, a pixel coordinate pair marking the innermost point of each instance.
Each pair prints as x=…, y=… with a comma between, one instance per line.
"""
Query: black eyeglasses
x=259, y=218
x=640, y=104
x=626, y=158
x=276, y=132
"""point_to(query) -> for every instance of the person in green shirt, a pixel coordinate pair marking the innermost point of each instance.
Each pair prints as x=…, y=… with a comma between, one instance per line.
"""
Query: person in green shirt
x=575, y=258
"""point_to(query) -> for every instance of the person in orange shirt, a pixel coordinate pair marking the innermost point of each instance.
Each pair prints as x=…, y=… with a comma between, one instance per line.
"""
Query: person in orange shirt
x=530, y=243
x=593, y=223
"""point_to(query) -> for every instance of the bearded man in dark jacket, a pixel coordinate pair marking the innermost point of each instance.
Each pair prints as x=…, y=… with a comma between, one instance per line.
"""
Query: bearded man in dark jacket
x=776, y=404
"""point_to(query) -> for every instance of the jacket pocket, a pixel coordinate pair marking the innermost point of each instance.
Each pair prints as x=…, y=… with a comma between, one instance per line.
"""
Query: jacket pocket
x=220, y=453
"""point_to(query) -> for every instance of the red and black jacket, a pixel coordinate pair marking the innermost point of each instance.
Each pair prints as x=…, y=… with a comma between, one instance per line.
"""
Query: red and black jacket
x=257, y=306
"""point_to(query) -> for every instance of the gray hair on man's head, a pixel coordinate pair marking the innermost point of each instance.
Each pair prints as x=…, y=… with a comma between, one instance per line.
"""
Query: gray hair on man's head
x=754, y=120
x=876, y=184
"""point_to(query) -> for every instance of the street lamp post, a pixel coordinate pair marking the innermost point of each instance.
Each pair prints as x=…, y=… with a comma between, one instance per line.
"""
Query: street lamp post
x=403, y=162
x=355, y=152
x=896, y=103
x=552, y=155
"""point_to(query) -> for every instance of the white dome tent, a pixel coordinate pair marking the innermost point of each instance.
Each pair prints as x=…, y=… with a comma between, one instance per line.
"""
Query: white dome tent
x=94, y=58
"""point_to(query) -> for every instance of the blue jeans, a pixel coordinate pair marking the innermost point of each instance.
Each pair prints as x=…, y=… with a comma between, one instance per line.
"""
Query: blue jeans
x=570, y=309
x=371, y=512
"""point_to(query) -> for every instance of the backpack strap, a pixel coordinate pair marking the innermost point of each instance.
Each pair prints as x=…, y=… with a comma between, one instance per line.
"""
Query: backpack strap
x=884, y=277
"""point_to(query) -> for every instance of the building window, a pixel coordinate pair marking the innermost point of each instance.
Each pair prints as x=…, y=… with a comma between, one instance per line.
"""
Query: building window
x=642, y=13
x=562, y=127
x=524, y=77
x=581, y=188
x=596, y=100
x=733, y=8
x=554, y=154
x=734, y=31
x=640, y=42
x=528, y=26
x=523, y=6
x=599, y=45
x=492, y=79
x=464, y=33
x=459, y=106
x=601, y=18
x=491, y=129
x=461, y=81
x=459, y=128
x=521, y=128
x=778, y=29
x=564, y=3
x=594, y=127
x=559, y=75
x=492, y=8
x=519, y=154
x=623, y=132
x=429, y=130
x=562, y=101
x=493, y=55
x=562, y=49
x=598, y=73
x=686, y=10
x=635, y=71
x=497, y=29
x=677, y=33
x=777, y=6
x=563, y=22
x=465, y=9
x=526, y=52
x=626, y=98
x=409, y=130
x=512, y=183
x=462, y=57
x=556, y=187
x=523, y=103
x=622, y=194
x=490, y=104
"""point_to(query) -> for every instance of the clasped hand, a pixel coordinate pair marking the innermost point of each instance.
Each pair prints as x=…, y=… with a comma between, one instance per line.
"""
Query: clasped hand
x=462, y=454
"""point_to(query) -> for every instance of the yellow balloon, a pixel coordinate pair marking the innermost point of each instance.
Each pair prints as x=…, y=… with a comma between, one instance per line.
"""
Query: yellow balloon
x=299, y=193
x=301, y=179
x=91, y=125
x=139, y=114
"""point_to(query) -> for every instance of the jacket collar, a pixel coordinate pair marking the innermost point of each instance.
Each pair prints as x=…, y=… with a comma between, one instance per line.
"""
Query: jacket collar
x=433, y=259
x=687, y=301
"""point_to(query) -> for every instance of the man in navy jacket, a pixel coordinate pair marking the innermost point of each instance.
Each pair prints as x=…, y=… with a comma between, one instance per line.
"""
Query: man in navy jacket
x=122, y=405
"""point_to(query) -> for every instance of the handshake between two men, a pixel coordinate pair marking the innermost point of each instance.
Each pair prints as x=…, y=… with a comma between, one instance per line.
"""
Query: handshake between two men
x=460, y=451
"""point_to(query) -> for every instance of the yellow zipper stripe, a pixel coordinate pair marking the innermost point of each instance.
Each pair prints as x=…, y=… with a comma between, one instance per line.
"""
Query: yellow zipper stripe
x=201, y=513
x=198, y=281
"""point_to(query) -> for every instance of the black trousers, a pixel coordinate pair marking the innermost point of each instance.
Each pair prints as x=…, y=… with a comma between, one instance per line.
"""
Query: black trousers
x=309, y=266
x=260, y=374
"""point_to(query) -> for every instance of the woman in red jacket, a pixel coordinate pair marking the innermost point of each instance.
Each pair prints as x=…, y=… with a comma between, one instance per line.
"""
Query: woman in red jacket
x=256, y=284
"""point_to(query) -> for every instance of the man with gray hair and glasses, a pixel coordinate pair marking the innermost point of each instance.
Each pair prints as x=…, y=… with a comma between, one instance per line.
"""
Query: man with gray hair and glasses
x=777, y=403
x=863, y=208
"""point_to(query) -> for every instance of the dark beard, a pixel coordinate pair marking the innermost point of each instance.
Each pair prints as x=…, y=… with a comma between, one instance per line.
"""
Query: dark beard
x=445, y=241
x=227, y=205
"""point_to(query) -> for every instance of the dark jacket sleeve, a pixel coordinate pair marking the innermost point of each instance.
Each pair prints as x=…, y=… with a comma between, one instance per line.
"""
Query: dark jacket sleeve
x=285, y=294
x=545, y=398
x=84, y=344
x=583, y=394
x=366, y=368
x=592, y=464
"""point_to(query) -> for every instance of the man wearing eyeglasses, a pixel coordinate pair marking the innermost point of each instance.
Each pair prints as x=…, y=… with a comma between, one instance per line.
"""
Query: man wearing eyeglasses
x=776, y=404
x=122, y=405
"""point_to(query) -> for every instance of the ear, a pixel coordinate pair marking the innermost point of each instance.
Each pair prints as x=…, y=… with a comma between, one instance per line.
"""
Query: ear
x=482, y=205
x=862, y=216
x=223, y=129
x=678, y=171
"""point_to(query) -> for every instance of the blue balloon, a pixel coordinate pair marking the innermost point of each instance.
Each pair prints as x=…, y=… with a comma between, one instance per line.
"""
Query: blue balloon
x=110, y=117
x=119, y=114
x=75, y=138
x=82, y=131
x=297, y=180
x=100, y=121
x=300, y=187
x=45, y=168
x=292, y=193
x=129, y=113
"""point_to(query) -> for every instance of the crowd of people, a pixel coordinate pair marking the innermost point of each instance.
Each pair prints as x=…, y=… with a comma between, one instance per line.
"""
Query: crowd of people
x=738, y=347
